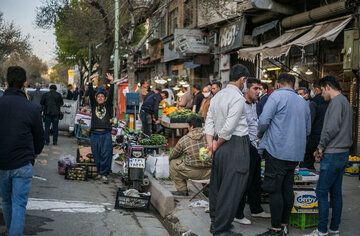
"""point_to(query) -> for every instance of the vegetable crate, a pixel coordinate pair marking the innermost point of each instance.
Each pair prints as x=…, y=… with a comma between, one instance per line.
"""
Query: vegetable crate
x=91, y=169
x=134, y=203
x=76, y=173
x=304, y=220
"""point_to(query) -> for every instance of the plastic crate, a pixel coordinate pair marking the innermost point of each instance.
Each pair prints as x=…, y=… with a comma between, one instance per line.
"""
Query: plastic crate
x=134, y=203
x=92, y=160
x=91, y=169
x=304, y=220
x=79, y=173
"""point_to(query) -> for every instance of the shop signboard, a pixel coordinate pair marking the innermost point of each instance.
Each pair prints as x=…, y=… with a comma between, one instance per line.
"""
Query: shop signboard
x=190, y=41
x=170, y=53
x=71, y=75
x=232, y=36
x=155, y=51
x=225, y=62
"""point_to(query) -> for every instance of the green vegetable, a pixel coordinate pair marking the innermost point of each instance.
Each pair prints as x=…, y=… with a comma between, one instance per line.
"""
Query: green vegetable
x=182, y=113
x=154, y=140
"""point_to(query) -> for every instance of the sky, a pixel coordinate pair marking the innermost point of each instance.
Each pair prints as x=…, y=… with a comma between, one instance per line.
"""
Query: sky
x=22, y=13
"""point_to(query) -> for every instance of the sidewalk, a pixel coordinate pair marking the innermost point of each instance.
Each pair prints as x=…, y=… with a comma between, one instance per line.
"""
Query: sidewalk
x=185, y=219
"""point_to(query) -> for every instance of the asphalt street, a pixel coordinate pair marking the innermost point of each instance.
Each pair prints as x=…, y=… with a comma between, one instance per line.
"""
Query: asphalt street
x=59, y=207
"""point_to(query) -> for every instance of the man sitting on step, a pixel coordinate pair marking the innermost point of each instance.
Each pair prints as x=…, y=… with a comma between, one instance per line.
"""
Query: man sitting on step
x=190, y=167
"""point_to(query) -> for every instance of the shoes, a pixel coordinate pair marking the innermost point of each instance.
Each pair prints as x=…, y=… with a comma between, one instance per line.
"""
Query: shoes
x=285, y=229
x=55, y=144
x=334, y=232
x=180, y=193
x=98, y=177
x=243, y=221
x=316, y=233
x=105, y=179
x=272, y=232
x=262, y=215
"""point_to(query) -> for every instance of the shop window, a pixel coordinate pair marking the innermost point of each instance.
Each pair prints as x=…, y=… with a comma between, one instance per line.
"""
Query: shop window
x=188, y=13
x=172, y=23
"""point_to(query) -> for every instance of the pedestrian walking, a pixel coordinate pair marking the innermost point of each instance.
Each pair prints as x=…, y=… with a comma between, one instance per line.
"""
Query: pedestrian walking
x=101, y=118
x=333, y=151
x=51, y=102
x=227, y=137
x=35, y=97
x=76, y=94
x=21, y=140
x=198, y=97
x=69, y=94
x=263, y=97
x=318, y=108
x=149, y=108
x=253, y=192
x=283, y=125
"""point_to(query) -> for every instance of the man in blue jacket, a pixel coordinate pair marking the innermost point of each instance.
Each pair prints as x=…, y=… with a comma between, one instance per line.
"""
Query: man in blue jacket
x=151, y=107
x=21, y=140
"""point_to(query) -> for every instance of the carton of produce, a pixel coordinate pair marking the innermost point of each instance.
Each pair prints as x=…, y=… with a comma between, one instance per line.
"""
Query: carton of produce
x=305, y=201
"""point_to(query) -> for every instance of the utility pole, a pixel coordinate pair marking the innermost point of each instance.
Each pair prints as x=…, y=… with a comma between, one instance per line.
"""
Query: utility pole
x=116, y=58
x=90, y=61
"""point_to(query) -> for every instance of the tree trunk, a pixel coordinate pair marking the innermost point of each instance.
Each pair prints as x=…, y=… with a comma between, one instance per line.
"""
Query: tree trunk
x=104, y=63
x=131, y=71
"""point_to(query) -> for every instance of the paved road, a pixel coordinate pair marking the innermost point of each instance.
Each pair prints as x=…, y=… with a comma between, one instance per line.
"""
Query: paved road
x=59, y=207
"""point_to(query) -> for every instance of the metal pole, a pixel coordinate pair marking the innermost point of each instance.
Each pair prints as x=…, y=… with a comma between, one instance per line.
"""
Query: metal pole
x=90, y=61
x=116, y=58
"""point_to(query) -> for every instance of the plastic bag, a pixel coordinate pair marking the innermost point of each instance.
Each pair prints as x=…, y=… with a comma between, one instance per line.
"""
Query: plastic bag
x=162, y=167
x=64, y=161
x=150, y=164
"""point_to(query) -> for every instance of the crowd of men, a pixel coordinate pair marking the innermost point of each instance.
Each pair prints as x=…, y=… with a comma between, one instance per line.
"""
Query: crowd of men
x=288, y=129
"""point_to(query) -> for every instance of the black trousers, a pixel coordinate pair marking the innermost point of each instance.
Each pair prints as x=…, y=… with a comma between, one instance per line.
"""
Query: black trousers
x=309, y=158
x=253, y=190
x=146, y=121
x=228, y=181
x=278, y=182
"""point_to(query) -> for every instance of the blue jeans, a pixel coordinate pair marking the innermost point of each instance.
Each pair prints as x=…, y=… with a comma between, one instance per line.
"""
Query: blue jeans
x=14, y=190
x=330, y=181
x=102, y=150
x=55, y=122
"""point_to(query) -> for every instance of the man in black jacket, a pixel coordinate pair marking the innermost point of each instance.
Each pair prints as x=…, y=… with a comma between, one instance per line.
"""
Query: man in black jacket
x=151, y=107
x=318, y=107
x=21, y=140
x=51, y=102
x=198, y=97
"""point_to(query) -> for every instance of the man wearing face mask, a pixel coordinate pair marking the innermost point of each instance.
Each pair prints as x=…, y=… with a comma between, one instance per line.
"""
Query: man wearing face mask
x=227, y=138
x=205, y=102
x=318, y=107
x=304, y=93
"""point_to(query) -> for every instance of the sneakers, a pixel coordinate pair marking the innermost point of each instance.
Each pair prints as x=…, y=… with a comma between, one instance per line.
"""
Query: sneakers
x=262, y=215
x=316, y=233
x=272, y=232
x=334, y=232
x=105, y=179
x=285, y=229
x=180, y=193
x=243, y=221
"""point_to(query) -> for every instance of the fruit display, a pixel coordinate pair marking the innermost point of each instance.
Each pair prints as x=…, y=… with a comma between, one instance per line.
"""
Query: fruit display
x=168, y=110
x=154, y=140
x=204, y=155
x=354, y=158
x=182, y=113
x=76, y=173
x=89, y=158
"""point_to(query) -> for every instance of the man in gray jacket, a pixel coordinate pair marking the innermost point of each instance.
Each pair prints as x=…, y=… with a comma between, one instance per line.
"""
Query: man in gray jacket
x=333, y=151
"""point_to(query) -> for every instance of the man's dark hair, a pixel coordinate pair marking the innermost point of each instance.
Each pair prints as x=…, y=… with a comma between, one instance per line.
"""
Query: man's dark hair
x=331, y=81
x=265, y=86
x=158, y=89
x=306, y=91
x=16, y=77
x=142, y=82
x=316, y=83
x=166, y=93
x=251, y=81
x=217, y=83
x=53, y=87
x=238, y=71
x=69, y=86
x=285, y=78
x=197, y=86
x=194, y=121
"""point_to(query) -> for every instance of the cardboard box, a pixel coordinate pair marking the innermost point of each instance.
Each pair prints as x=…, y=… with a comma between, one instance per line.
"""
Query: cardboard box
x=305, y=201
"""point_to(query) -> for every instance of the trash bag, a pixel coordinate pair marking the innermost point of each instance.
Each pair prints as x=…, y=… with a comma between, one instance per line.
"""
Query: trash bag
x=162, y=167
x=65, y=161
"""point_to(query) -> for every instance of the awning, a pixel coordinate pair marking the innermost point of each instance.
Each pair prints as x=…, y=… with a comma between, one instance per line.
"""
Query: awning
x=327, y=30
x=264, y=28
x=250, y=53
